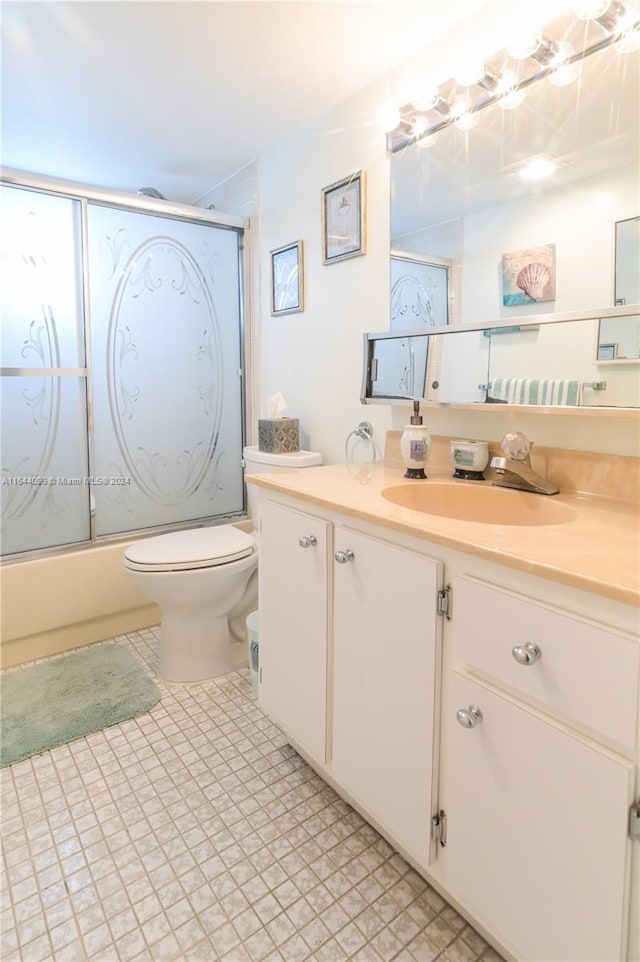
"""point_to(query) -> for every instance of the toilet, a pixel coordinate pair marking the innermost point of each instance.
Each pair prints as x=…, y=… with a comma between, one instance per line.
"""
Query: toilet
x=204, y=581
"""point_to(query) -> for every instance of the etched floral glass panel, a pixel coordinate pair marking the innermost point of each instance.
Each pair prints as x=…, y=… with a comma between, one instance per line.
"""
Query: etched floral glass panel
x=45, y=493
x=40, y=280
x=45, y=490
x=165, y=346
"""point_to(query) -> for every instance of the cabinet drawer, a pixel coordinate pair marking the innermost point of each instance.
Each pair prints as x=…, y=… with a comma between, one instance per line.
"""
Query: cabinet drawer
x=584, y=673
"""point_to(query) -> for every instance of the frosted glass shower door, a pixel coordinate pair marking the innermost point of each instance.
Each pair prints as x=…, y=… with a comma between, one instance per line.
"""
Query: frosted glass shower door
x=45, y=491
x=165, y=349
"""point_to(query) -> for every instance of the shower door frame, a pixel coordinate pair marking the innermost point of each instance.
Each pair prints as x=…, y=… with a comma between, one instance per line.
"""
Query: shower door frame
x=86, y=194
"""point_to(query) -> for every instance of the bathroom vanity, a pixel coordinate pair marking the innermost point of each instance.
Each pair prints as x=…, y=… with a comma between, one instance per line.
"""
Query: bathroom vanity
x=472, y=689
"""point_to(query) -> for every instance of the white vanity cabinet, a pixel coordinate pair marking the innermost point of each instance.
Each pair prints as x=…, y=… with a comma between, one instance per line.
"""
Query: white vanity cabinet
x=538, y=733
x=293, y=624
x=385, y=640
x=532, y=786
x=348, y=647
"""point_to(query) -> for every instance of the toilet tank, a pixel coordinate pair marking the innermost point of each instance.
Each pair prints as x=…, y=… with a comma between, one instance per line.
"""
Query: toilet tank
x=263, y=462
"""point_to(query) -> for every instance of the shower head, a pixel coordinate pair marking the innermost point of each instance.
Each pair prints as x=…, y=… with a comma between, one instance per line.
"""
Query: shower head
x=151, y=192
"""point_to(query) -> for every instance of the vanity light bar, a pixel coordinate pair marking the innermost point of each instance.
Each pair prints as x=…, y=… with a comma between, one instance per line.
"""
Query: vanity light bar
x=611, y=18
x=415, y=125
x=546, y=51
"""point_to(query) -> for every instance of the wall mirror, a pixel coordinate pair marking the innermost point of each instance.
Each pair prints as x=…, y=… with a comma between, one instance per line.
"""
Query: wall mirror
x=542, y=361
x=627, y=282
x=458, y=198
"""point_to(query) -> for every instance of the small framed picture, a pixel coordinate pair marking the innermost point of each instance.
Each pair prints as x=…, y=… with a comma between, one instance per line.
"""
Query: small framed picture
x=287, y=279
x=343, y=219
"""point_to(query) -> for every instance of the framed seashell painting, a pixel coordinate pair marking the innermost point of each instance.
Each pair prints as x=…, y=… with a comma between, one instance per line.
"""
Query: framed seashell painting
x=529, y=275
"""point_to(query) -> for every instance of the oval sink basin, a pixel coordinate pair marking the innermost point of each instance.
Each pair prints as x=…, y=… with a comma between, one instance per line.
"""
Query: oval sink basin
x=481, y=504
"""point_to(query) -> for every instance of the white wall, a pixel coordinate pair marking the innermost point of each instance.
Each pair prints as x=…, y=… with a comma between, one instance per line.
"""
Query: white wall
x=315, y=357
x=584, y=258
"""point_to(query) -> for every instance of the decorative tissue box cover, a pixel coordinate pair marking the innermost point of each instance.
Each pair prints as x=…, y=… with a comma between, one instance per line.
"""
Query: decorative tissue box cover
x=278, y=435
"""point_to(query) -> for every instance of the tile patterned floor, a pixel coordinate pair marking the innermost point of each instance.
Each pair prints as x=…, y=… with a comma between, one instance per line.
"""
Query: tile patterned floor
x=195, y=833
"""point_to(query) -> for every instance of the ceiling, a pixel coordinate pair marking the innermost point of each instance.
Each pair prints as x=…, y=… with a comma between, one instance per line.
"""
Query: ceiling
x=180, y=95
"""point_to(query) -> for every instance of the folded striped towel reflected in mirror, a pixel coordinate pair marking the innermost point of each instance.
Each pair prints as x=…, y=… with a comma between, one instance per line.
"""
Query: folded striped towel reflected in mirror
x=536, y=391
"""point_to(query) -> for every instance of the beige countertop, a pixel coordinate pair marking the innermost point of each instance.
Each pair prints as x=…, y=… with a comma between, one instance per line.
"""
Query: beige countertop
x=598, y=550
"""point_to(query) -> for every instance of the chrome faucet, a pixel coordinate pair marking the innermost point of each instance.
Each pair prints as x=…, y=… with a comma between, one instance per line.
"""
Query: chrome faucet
x=515, y=469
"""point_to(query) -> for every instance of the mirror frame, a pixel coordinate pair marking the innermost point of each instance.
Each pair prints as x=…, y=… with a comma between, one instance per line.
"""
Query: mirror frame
x=530, y=322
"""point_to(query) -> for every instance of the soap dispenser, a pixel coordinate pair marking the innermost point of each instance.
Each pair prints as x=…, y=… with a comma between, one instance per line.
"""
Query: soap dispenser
x=415, y=444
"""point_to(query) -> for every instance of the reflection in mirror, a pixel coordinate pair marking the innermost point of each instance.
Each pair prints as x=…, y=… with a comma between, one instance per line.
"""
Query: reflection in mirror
x=627, y=271
x=410, y=365
x=619, y=339
x=463, y=370
x=419, y=292
x=395, y=367
x=545, y=362
x=464, y=198
x=549, y=365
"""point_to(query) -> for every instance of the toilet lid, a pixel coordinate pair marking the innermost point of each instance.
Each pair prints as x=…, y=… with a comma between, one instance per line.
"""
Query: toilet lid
x=195, y=548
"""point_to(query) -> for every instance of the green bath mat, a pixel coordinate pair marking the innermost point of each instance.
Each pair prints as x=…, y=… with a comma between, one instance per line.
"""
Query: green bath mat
x=64, y=698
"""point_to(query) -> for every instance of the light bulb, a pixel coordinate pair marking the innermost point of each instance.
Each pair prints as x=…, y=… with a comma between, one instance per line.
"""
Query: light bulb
x=426, y=142
x=469, y=73
x=507, y=91
x=629, y=41
x=522, y=45
x=420, y=124
x=462, y=115
x=388, y=117
x=589, y=9
x=424, y=98
x=563, y=73
x=538, y=168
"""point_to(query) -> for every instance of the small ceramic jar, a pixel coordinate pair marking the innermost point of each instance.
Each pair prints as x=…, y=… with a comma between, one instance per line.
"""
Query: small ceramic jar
x=470, y=458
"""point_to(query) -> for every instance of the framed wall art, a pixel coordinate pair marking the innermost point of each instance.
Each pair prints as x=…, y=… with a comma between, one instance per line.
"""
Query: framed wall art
x=343, y=219
x=287, y=279
x=529, y=275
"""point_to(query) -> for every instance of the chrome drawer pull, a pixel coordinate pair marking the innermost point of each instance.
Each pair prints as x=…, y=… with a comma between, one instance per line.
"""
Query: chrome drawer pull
x=309, y=542
x=526, y=654
x=469, y=717
x=342, y=557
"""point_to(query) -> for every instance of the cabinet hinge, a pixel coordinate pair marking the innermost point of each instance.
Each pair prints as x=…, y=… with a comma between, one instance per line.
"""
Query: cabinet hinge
x=634, y=821
x=445, y=602
x=439, y=828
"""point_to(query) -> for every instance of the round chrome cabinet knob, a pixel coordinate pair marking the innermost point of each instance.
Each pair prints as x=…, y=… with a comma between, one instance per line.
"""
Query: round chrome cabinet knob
x=309, y=542
x=526, y=654
x=469, y=717
x=343, y=557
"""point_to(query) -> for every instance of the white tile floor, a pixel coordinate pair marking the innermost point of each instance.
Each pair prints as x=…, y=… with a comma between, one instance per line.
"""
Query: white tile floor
x=195, y=833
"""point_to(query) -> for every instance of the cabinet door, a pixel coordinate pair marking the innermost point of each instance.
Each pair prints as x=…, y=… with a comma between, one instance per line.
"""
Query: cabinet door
x=385, y=630
x=536, y=830
x=293, y=624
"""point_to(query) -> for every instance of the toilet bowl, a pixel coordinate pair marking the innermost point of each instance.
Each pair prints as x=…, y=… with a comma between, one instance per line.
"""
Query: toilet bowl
x=204, y=581
x=196, y=577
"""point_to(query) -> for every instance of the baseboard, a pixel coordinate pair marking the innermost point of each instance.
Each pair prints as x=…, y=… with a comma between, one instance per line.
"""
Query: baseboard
x=16, y=651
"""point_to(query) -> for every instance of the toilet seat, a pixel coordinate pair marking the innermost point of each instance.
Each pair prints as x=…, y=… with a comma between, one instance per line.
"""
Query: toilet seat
x=186, y=550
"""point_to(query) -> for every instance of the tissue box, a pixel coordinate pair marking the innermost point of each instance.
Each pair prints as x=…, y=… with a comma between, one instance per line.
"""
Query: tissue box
x=278, y=435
